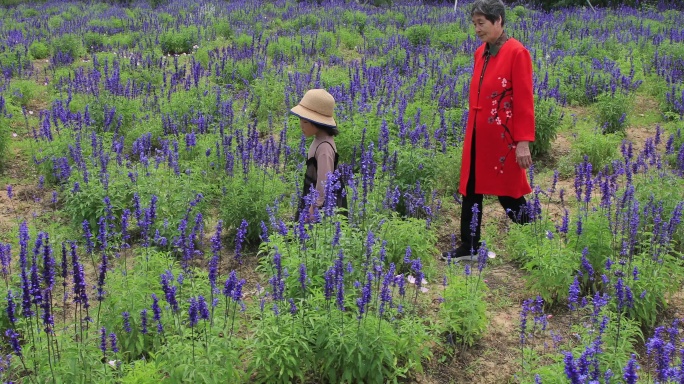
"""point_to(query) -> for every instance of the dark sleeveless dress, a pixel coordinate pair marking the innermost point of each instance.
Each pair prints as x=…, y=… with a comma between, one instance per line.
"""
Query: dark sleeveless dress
x=311, y=179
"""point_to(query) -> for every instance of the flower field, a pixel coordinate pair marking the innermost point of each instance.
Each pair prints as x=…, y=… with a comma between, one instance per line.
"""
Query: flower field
x=150, y=173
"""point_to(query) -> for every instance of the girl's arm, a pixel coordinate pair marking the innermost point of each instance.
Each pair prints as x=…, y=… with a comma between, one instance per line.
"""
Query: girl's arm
x=325, y=158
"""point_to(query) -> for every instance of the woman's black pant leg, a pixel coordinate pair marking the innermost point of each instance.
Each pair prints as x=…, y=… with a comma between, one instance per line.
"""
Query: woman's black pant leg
x=516, y=209
x=471, y=238
x=467, y=236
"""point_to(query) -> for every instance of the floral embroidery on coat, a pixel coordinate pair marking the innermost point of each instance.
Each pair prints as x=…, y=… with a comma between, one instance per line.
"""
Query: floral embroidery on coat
x=501, y=114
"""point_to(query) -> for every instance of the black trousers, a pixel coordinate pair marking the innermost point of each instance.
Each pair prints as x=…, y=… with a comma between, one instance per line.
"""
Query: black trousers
x=516, y=208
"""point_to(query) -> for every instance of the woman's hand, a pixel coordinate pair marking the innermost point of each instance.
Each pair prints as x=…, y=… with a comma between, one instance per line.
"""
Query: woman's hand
x=522, y=154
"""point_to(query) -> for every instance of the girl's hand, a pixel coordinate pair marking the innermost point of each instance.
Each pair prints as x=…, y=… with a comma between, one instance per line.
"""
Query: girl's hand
x=310, y=218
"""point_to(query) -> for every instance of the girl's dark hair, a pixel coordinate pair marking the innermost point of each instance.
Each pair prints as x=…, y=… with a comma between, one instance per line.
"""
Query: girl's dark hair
x=490, y=9
x=332, y=131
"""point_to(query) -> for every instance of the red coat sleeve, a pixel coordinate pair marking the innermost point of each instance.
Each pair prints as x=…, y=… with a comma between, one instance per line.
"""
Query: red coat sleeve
x=523, y=96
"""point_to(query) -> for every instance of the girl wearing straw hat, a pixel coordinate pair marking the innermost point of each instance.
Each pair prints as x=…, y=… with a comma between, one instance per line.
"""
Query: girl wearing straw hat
x=315, y=112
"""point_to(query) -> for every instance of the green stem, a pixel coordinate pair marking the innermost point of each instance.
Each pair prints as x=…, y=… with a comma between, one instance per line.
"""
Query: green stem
x=192, y=336
x=206, y=337
x=50, y=357
x=232, y=321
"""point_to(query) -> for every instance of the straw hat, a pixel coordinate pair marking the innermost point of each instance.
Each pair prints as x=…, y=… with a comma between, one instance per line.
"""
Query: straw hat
x=317, y=106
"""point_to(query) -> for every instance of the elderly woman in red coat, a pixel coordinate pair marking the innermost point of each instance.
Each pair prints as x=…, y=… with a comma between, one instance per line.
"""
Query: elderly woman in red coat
x=500, y=126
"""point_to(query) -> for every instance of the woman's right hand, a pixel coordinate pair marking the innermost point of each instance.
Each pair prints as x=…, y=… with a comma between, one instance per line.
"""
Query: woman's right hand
x=522, y=154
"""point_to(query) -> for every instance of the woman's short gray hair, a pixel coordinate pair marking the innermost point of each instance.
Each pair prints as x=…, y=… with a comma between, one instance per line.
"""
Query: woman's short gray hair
x=491, y=9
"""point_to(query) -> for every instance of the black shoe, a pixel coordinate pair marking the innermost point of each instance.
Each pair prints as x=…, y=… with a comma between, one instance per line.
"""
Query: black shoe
x=463, y=252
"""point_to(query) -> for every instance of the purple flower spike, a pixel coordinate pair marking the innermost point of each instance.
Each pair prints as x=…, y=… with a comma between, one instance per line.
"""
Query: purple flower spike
x=11, y=308
x=113, y=342
x=103, y=340
x=573, y=296
x=126, y=321
x=202, y=308
x=240, y=239
x=143, y=321
x=630, y=372
x=571, y=371
x=193, y=311
x=156, y=312
x=586, y=265
x=14, y=341
x=302, y=276
x=264, y=232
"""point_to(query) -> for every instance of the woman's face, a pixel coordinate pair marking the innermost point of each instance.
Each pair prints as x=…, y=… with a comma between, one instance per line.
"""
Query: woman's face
x=487, y=31
x=308, y=129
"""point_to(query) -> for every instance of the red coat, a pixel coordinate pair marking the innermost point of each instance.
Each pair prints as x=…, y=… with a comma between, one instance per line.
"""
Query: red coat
x=500, y=123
